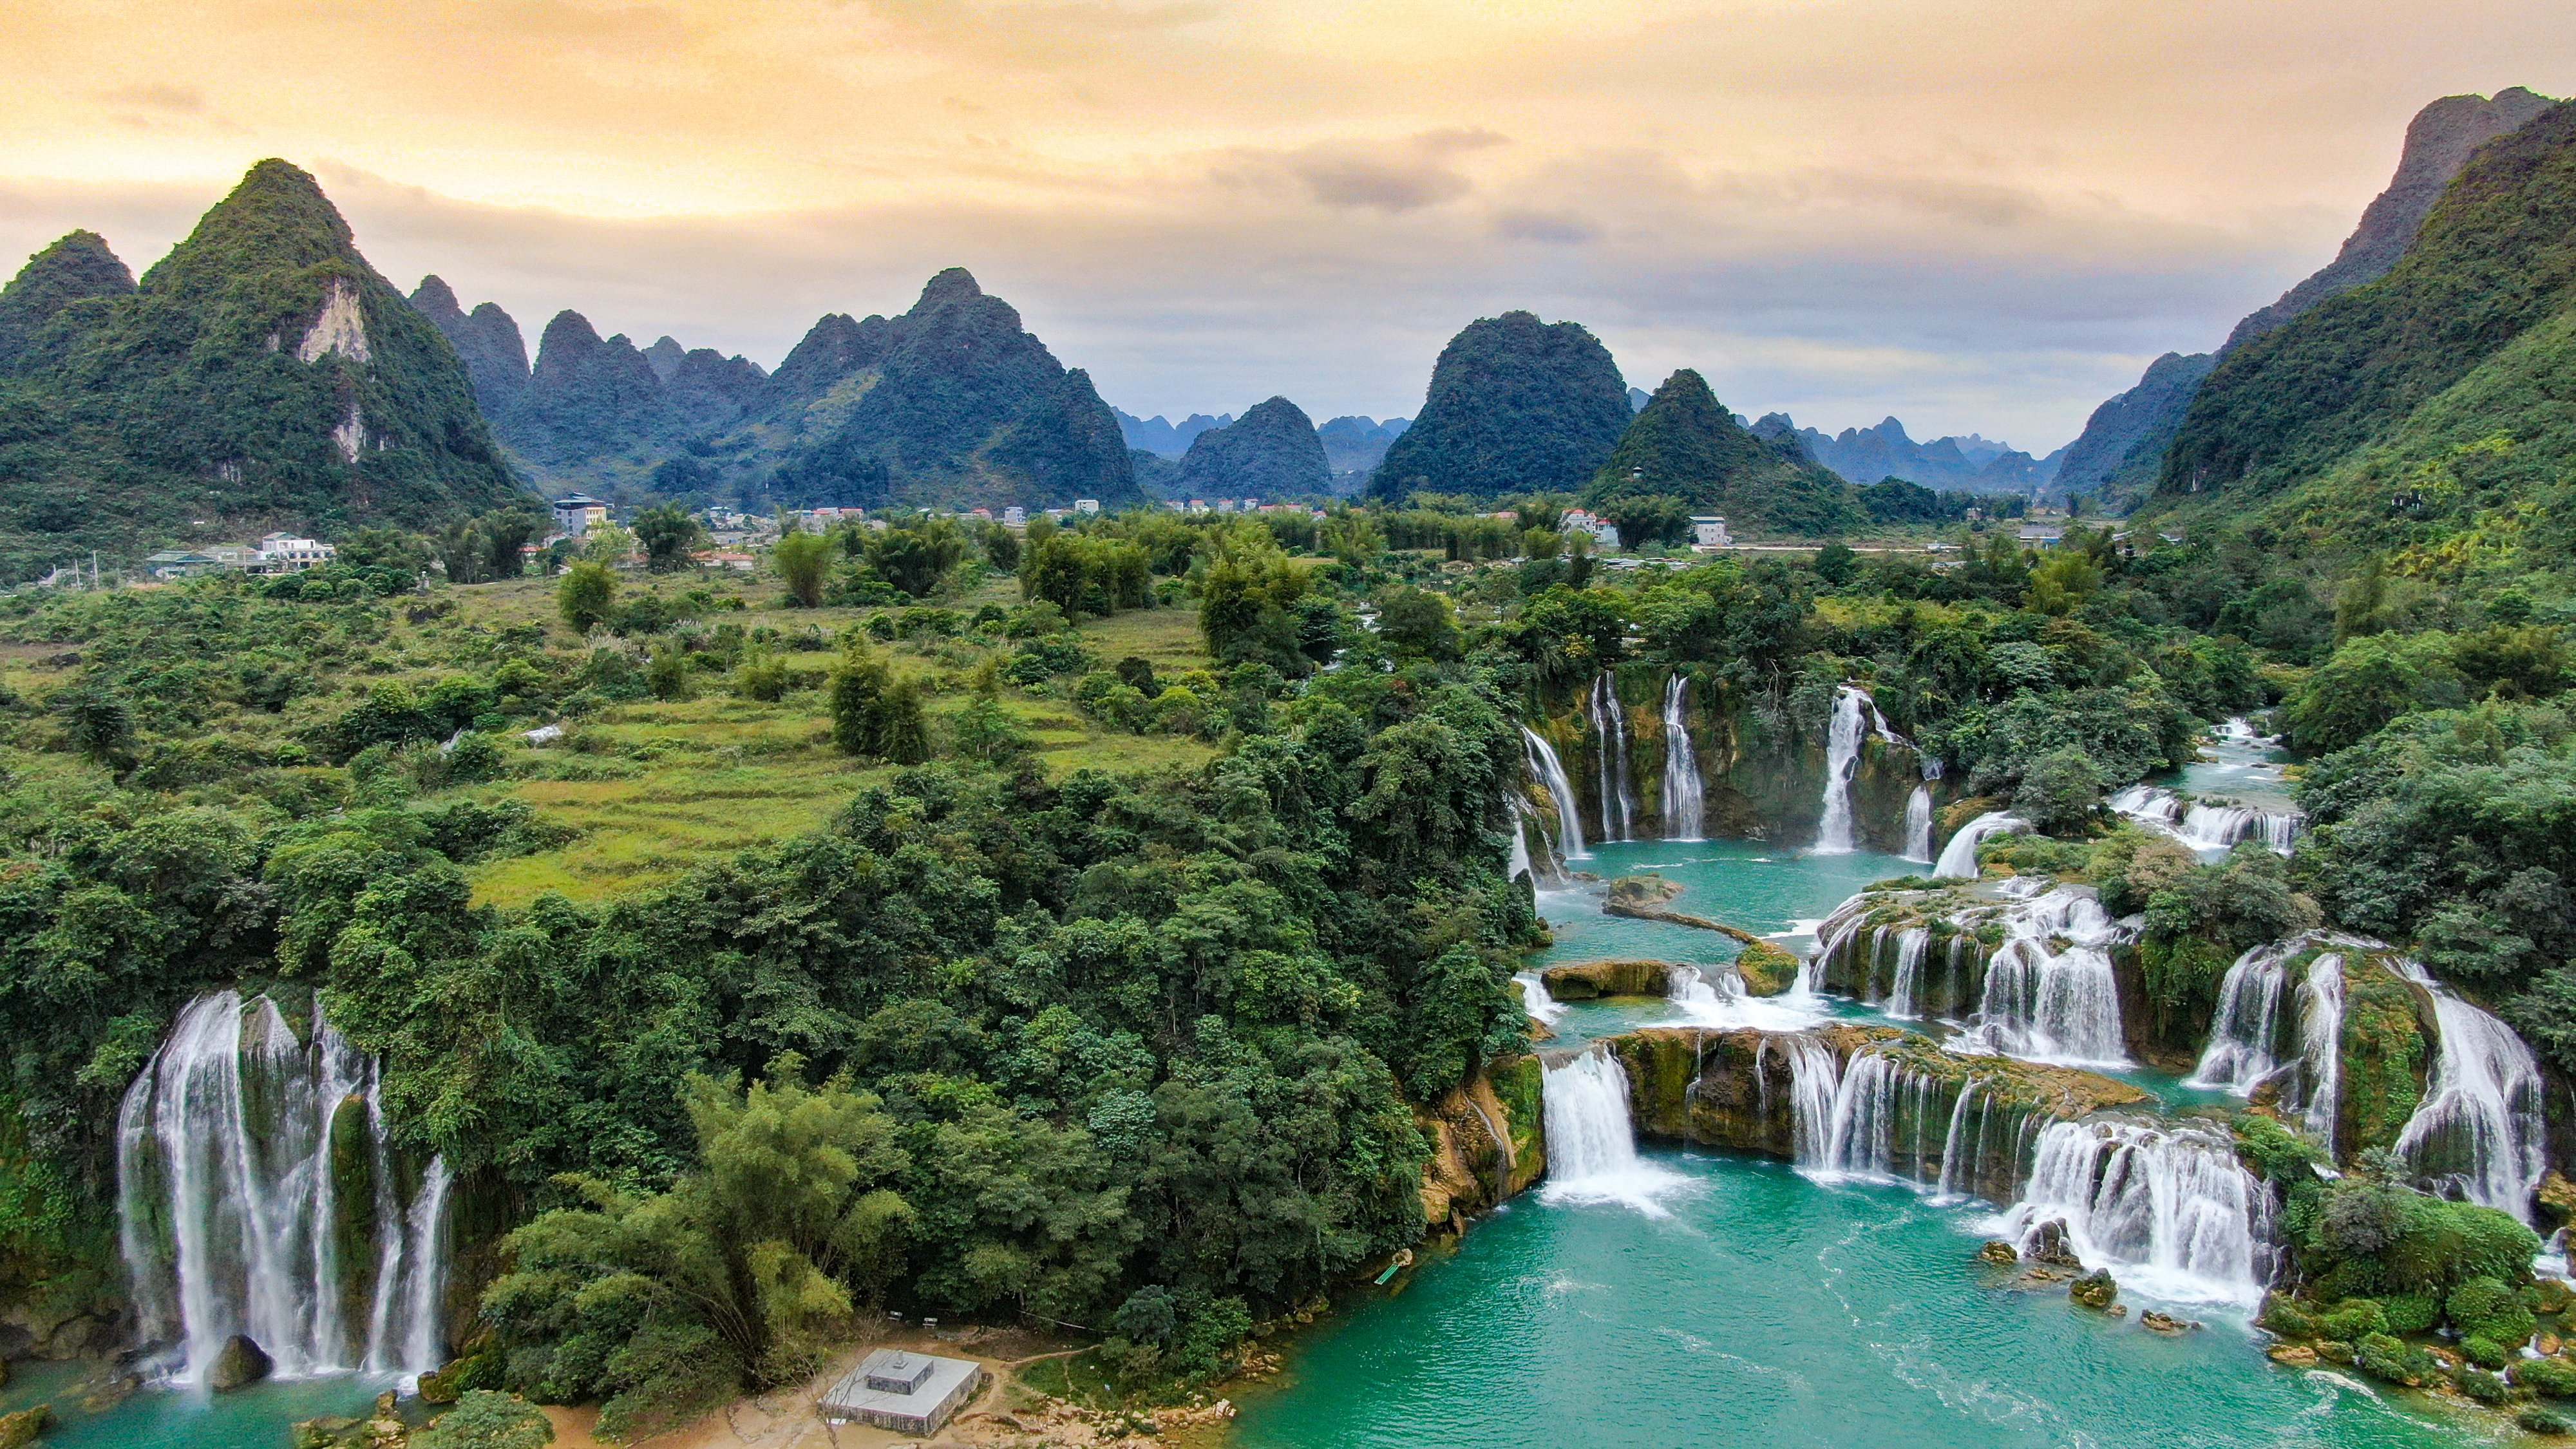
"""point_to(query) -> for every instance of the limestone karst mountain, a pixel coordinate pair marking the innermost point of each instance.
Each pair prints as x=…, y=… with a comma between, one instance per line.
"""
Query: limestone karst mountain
x=1686, y=445
x=1271, y=452
x=261, y=374
x=1515, y=406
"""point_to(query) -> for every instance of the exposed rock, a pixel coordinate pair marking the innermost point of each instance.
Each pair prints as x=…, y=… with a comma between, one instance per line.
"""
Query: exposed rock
x=2118, y=1310
x=2048, y=1245
x=2095, y=1289
x=1768, y=969
x=2296, y=1355
x=1643, y=890
x=2557, y=1197
x=2155, y=1322
x=240, y=1364
x=1593, y=979
x=1999, y=1252
x=23, y=1428
x=326, y=1433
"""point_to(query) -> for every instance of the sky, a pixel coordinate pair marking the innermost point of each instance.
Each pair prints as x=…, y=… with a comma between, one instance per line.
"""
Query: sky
x=1972, y=215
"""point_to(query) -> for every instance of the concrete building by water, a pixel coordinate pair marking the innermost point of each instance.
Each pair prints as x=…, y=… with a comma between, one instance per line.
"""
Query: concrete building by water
x=908, y=1392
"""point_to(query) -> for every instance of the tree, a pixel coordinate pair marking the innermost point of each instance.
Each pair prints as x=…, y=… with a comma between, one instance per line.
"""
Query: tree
x=901, y=736
x=1001, y=548
x=985, y=731
x=608, y=544
x=803, y=560
x=587, y=597
x=915, y=557
x=667, y=534
x=1417, y=622
x=98, y=721
x=1650, y=518
x=1837, y=564
x=2060, y=791
x=856, y=687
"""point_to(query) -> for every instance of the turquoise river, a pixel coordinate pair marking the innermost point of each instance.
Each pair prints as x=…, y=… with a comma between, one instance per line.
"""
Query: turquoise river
x=1738, y=1302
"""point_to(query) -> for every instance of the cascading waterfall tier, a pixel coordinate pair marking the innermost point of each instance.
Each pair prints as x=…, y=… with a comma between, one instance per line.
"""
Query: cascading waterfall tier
x=1550, y=773
x=2479, y=1132
x=2050, y=995
x=1834, y=833
x=2208, y=827
x=2165, y=1205
x=258, y=1195
x=1591, y=1139
x=1685, y=810
x=1610, y=760
x=2279, y=1025
x=1959, y=858
x=1918, y=825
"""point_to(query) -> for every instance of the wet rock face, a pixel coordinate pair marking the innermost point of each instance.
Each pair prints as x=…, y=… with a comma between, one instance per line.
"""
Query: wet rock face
x=1999, y=1253
x=2048, y=1246
x=240, y=1364
x=25, y=1427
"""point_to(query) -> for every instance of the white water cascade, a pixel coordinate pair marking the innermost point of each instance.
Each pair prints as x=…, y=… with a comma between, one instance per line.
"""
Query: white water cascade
x=1877, y=1119
x=2166, y=1206
x=1569, y=817
x=1541, y=1007
x=2049, y=993
x=1959, y=858
x=1918, y=825
x=234, y=1148
x=2321, y=1045
x=1591, y=1143
x=1520, y=863
x=1834, y=834
x=2479, y=1130
x=1610, y=760
x=1685, y=812
x=2209, y=829
x=2245, y=1037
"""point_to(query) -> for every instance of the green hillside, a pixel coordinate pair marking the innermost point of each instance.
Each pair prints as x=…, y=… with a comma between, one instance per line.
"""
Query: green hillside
x=1686, y=445
x=262, y=375
x=2496, y=258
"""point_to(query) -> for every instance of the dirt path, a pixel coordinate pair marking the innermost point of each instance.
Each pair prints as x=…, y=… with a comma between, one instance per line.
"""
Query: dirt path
x=1004, y=1414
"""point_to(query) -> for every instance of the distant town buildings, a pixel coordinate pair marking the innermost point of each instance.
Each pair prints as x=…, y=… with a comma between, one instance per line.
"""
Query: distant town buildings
x=1015, y=517
x=1580, y=520
x=579, y=513
x=277, y=553
x=1708, y=533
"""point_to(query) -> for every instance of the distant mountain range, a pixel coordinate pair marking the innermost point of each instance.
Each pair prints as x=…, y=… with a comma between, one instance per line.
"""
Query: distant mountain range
x=1954, y=464
x=1165, y=439
x=950, y=403
x=2120, y=456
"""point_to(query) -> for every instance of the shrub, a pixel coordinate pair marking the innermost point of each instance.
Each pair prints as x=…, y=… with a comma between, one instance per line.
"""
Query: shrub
x=803, y=560
x=2484, y=1387
x=2485, y=1307
x=2555, y=1377
x=483, y=1419
x=2354, y=1319
x=587, y=597
x=2483, y=1351
x=2392, y=1359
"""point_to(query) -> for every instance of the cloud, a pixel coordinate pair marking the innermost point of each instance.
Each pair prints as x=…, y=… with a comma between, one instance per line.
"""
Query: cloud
x=1389, y=177
x=185, y=100
x=1559, y=228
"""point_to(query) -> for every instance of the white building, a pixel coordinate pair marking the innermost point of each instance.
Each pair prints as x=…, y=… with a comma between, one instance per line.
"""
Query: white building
x=284, y=553
x=899, y=1389
x=1708, y=533
x=1015, y=517
x=1086, y=505
x=579, y=513
x=1579, y=520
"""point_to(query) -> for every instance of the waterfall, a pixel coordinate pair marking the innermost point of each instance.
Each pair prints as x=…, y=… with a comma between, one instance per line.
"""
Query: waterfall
x=1685, y=814
x=1905, y=983
x=1591, y=1143
x=1569, y=818
x=234, y=1146
x=1918, y=825
x=2149, y=805
x=1610, y=760
x=2221, y=827
x=2049, y=1002
x=2321, y=1045
x=1520, y=864
x=1959, y=857
x=1876, y=1118
x=1834, y=835
x=2478, y=1131
x=2244, y=1046
x=2167, y=1206
x=1544, y=1009
x=1716, y=997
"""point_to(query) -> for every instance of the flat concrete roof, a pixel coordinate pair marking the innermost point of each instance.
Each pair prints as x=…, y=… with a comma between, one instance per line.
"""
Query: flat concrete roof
x=947, y=1385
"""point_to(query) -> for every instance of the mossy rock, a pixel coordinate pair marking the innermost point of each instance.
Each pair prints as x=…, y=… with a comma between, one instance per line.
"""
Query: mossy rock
x=1592, y=980
x=1768, y=969
x=24, y=1427
x=2386, y=1048
x=2094, y=1290
x=1643, y=890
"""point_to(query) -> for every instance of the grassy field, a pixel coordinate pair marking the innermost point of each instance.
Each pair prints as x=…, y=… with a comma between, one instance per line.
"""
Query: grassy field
x=649, y=788
x=672, y=782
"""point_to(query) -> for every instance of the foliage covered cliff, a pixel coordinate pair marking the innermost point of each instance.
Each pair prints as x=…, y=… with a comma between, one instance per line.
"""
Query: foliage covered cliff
x=1516, y=406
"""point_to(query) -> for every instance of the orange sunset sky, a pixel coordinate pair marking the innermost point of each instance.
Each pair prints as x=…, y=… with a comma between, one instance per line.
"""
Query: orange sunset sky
x=1976, y=216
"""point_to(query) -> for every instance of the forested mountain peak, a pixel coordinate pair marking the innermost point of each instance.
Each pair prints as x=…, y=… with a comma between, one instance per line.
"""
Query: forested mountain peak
x=1272, y=451
x=75, y=268
x=487, y=339
x=1515, y=406
x=2494, y=260
x=1685, y=445
x=261, y=372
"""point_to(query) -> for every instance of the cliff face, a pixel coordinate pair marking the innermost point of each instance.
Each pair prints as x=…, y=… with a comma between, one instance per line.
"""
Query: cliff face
x=1762, y=778
x=2439, y=142
x=1488, y=1141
